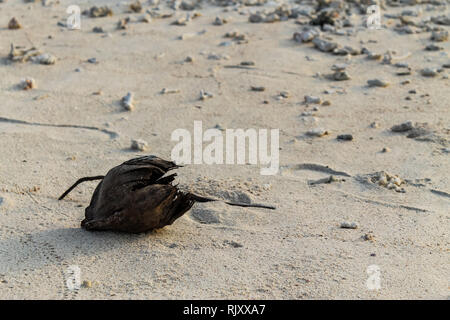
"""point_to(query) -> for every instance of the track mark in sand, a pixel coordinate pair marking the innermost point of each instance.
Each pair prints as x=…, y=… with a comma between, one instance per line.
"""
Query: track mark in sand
x=440, y=193
x=319, y=168
x=50, y=255
x=385, y=204
x=240, y=67
x=111, y=134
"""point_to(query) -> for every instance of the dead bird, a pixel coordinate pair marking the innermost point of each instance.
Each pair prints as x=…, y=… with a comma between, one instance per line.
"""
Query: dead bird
x=136, y=196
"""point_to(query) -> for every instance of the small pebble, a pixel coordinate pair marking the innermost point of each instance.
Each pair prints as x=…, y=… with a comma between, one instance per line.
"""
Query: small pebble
x=369, y=237
x=429, y=72
x=98, y=30
x=258, y=89
x=348, y=225
x=377, y=83
x=345, y=137
x=317, y=132
x=374, y=125
x=433, y=47
x=128, y=101
x=312, y=100
x=402, y=127
x=284, y=94
x=341, y=76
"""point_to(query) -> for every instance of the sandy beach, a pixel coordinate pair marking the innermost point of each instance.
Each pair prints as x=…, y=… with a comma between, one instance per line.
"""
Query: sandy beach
x=362, y=191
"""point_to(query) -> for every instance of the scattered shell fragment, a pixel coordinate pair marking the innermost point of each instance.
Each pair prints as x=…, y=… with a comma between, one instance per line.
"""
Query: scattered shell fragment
x=128, y=101
x=387, y=180
x=374, y=125
x=255, y=18
x=219, y=21
x=306, y=35
x=147, y=18
x=14, y=24
x=96, y=12
x=439, y=36
x=45, y=58
x=284, y=95
x=374, y=56
x=237, y=36
x=324, y=45
x=214, y=56
x=205, y=95
x=123, y=23
x=339, y=66
x=168, y=91
x=139, y=145
x=186, y=36
x=27, y=84
x=368, y=237
x=136, y=7
x=87, y=284
x=181, y=21
x=347, y=50
x=16, y=54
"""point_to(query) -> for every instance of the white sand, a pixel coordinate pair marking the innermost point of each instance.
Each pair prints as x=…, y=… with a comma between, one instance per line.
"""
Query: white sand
x=298, y=251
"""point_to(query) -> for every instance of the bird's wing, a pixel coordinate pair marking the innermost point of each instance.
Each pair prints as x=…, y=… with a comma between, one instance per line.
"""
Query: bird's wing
x=152, y=161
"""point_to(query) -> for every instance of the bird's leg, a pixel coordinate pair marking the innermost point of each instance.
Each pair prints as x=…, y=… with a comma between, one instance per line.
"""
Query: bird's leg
x=239, y=204
x=78, y=182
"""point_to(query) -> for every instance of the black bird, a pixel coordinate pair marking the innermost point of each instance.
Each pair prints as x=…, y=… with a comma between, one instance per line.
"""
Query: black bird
x=136, y=196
